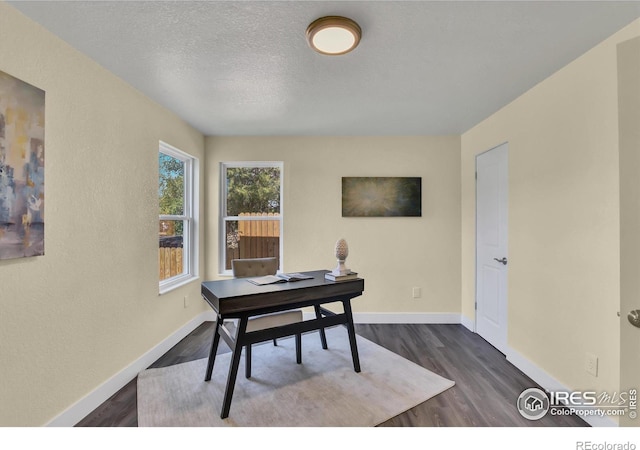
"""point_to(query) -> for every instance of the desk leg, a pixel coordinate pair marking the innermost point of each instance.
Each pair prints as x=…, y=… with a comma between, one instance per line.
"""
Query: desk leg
x=214, y=349
x=352, y=335
x=323, y=336
x=233, y=368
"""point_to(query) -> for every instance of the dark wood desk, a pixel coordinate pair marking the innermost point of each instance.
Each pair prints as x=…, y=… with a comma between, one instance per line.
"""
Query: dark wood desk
x=237, y=298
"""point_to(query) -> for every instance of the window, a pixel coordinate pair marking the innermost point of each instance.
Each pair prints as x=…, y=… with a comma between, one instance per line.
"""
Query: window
x=251, y=211
x=177, y=249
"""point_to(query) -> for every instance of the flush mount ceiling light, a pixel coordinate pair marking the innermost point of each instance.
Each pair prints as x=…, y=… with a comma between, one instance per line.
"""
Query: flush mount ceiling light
x=333, y=35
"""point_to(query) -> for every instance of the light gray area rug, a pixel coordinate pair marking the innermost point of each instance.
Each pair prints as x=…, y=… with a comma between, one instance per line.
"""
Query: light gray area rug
x=322, y=391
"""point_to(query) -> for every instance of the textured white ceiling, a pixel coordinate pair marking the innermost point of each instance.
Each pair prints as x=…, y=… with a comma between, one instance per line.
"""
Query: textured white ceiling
x=244, y=67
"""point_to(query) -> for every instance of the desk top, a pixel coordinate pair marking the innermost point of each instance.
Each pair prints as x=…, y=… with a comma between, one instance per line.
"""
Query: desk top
x=238, y=295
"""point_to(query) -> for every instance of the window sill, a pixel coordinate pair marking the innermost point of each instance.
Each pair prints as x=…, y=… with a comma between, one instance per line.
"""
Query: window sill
x=176, y=283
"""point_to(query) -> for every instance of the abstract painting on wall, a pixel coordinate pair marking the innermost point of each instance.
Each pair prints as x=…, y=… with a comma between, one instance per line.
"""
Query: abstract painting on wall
x=381, y=196
x=21, y=168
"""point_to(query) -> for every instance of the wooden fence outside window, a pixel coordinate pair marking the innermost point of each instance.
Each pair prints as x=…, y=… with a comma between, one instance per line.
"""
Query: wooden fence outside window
x=253, y=239
x=170, y=256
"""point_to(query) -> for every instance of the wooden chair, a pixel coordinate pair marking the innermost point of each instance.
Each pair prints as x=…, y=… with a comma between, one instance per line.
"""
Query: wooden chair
x=257, y=267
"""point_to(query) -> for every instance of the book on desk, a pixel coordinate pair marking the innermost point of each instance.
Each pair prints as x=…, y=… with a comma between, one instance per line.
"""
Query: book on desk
x=349, y=276
x=279, y=278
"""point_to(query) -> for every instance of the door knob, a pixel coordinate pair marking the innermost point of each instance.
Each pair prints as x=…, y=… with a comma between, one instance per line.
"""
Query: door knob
x=634, y=318
x=503, y=260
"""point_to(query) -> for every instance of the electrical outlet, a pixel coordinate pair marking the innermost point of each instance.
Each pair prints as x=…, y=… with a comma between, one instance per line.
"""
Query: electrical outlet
x=417, y=292
x=591, y=364
x=186, y=301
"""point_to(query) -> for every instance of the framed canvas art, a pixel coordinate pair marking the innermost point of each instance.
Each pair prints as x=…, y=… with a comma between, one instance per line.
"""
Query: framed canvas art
x=381, y=196
x=21, y=168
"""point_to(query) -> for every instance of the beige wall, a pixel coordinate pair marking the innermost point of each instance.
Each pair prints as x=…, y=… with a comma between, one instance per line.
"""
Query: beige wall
x=392, y=254
x=71, y=319
x=564, y=253
x=629, y=124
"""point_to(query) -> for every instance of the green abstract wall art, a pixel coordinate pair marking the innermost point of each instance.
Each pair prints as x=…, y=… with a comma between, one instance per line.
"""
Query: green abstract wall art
x=381, y=196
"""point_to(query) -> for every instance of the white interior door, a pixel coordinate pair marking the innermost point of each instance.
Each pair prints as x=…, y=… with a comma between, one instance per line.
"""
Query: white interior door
x=628, y=119
x=491, y=246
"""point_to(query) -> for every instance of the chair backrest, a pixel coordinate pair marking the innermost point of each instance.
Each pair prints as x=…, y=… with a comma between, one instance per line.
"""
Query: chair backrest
x=254, y=267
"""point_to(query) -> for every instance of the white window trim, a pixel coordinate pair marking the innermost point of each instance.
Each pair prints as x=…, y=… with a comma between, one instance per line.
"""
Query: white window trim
x=191, y=214
x=223, y=209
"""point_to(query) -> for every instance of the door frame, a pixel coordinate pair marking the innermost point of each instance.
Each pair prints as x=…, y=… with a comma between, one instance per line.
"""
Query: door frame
x=628, y=65
x=505, y=312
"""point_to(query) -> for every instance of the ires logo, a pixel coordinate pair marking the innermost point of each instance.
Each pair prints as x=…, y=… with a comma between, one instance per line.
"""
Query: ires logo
x=534, y=403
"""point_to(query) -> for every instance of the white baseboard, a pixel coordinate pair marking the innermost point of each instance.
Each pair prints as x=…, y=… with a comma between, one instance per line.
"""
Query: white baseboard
x=549, y=383
x=406, y=318
x=79, y=410
x=452, y=318
x=469, y=324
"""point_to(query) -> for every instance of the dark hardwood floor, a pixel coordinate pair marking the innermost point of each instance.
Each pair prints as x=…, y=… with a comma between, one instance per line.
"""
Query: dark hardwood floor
x=486, y=390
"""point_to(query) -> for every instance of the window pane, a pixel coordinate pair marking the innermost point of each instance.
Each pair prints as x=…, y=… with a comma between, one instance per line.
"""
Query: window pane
x=253, y=190
x=170, y=251
x=252, y=239
x=171, y=185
